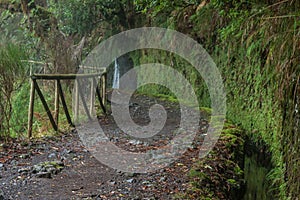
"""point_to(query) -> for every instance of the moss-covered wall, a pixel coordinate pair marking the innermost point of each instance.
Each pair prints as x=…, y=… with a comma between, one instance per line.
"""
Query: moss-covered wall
x=178, y=63
x=257, y=49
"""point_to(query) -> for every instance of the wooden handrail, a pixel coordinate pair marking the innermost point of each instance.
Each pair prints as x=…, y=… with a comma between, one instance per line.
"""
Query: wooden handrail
x=64, y=76
x=59, y=93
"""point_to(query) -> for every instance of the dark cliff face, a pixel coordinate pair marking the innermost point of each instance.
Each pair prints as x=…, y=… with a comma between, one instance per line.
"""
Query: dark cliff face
x=125, y=64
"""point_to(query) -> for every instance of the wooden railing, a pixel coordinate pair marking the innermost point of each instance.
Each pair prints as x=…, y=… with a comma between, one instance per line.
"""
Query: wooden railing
x=59, y=94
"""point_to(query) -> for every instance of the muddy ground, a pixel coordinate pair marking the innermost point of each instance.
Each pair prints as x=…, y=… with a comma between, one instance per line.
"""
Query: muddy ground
x=60, y=167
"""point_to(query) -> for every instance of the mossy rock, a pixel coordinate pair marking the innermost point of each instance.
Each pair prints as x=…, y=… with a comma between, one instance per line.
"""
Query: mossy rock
x=205, y=112
x=51, y=167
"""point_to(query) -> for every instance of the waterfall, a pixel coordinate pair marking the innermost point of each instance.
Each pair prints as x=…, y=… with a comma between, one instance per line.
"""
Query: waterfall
x=116, y=75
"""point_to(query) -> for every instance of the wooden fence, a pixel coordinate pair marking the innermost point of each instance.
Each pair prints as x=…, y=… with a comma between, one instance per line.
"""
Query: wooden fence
x=59, y=94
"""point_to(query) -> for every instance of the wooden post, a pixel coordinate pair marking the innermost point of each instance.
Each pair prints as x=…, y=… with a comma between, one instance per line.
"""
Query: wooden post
x=103, y=86
x=76, y=106
x=38, y=90
x=31, y=109
x=100, y=99
x=63, y=101
x=98, y=93
x=84, y=102
x=92, y=97
x=56, y=103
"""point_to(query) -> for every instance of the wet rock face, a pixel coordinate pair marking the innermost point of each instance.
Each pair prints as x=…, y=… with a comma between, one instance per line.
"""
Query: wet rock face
x=125, y=64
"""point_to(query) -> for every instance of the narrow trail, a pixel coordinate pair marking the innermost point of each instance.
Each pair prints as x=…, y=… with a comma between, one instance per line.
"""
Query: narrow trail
x=62, y=168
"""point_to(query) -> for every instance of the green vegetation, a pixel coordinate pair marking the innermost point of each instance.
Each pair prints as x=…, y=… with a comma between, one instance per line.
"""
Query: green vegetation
x=221, y=171
x=255, y=45
x=12, y=75
x=257, y=185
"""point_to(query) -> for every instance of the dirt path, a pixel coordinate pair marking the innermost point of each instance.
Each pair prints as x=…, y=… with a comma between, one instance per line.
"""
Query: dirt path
x=62, y=168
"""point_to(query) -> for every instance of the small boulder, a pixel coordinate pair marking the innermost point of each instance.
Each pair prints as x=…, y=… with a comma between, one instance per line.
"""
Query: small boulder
x=24, y=170
x=1, y=195
x=25, y=156
x=43, y=175
x=47, y=169
x=52, y=155
x=130, y=180
x=135, y=142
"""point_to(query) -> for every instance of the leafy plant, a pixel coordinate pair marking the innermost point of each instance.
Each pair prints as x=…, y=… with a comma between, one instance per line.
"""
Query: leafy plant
x=12, y=75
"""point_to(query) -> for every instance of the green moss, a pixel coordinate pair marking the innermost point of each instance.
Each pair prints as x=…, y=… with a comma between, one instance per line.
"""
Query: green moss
x=197, y=173
x=220, y=174
x=57, y=165
x=205, y=112
x=165, y=97
x=254, y=45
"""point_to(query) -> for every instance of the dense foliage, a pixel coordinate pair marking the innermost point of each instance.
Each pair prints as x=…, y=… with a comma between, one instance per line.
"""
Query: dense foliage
x=256, y=45
x=12, y=75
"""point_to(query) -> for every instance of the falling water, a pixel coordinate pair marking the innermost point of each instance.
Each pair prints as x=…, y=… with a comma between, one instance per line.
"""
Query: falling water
x=116, y=75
